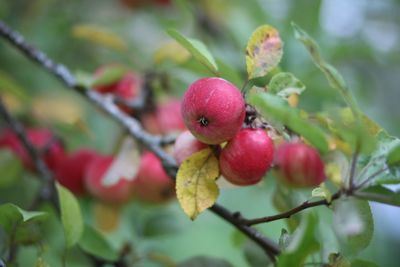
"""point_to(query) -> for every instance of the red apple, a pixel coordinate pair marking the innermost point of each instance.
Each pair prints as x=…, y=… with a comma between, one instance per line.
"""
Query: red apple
x=43, y=140
x=213, y=110
x=71, y=171
x=152, y=184
x=185, y=145
x=247, y=157
x=299, y=165
x=165, y=119
x=118, y=193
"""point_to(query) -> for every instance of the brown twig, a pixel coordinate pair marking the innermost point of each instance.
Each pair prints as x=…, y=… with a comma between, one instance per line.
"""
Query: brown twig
x=48, y=191
x=287, y=214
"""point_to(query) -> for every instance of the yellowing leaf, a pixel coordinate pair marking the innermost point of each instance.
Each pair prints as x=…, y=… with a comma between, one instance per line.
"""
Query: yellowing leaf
x=172, y=51
x=196, y=188
x=106, y=216
x=263, y=51
x=99, y=36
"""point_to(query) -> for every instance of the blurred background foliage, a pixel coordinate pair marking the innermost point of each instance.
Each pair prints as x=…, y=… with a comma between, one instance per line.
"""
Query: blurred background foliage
x=361, y=38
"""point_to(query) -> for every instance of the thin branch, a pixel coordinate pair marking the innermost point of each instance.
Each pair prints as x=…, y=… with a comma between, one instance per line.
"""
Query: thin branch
x=144, y=101
x=269, y=247
x=372, y=176
x=134, y=128
x=48, y=191
x=287, y=214
x=353, y=167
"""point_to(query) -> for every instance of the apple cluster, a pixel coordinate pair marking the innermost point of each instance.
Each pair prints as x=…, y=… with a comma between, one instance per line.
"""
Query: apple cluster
x=82, y=171
x=214, y=112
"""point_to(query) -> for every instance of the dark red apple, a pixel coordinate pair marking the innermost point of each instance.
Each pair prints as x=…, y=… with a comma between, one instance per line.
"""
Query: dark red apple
x=247, y=157
x=299, y=165
x=49, y=146
x=71, y=171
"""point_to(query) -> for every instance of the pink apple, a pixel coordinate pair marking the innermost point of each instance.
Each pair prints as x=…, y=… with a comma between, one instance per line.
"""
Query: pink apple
x=152, y=184
x=94, y=175
x=213, y=110
x=165, y=119
x=185, y=145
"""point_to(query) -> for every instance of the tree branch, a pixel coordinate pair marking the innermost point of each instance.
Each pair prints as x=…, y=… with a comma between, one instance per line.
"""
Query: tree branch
x=151, y=142
x=48, y=191
x=289, y=213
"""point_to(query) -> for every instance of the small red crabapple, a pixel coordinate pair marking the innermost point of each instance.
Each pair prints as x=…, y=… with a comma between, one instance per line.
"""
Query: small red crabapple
x=247, y=157
x=186, y=145
x=152, y=184
x=299, y=165
x=47, y=144
x=213, y=110
x=118, y=193
x=70, y=172
x=165, y=119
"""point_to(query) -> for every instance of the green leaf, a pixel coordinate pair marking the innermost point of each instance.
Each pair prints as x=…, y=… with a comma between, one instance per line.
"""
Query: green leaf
x=12, y=216
x=380, y=194
x=285, y=199
x=263, y=52
x=376, y=163
x=337, y=260
x=335, y=80
x=204, y=261
x=394, y=155
x=94, y=243
x=71, y=216
x=303, y=243
x=10, y=85
x=353, y=224
x=285, y=84
x=109, y=75
x=197, y=49
x=362, y=263
x=284, y=239
x=11, y=167
x=274, y=107
x=41, y=263
x=254, y=255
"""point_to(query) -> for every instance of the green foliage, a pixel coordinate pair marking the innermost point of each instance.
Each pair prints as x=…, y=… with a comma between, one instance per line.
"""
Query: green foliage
x=285, y=84
x=203, y=261
x=353, y=224
x=109, y=75
x=198, y=50
x=71, y=216
x=275, y=108
x=12, y=216
x=93, y=242
x=11, y=168
x=303, y=243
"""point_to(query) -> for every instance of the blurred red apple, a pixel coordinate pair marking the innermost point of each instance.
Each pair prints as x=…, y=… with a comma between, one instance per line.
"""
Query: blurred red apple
x=165, y=119
x=71, y=171
x=118, y=193
x=49, y=146
x=152, y=184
